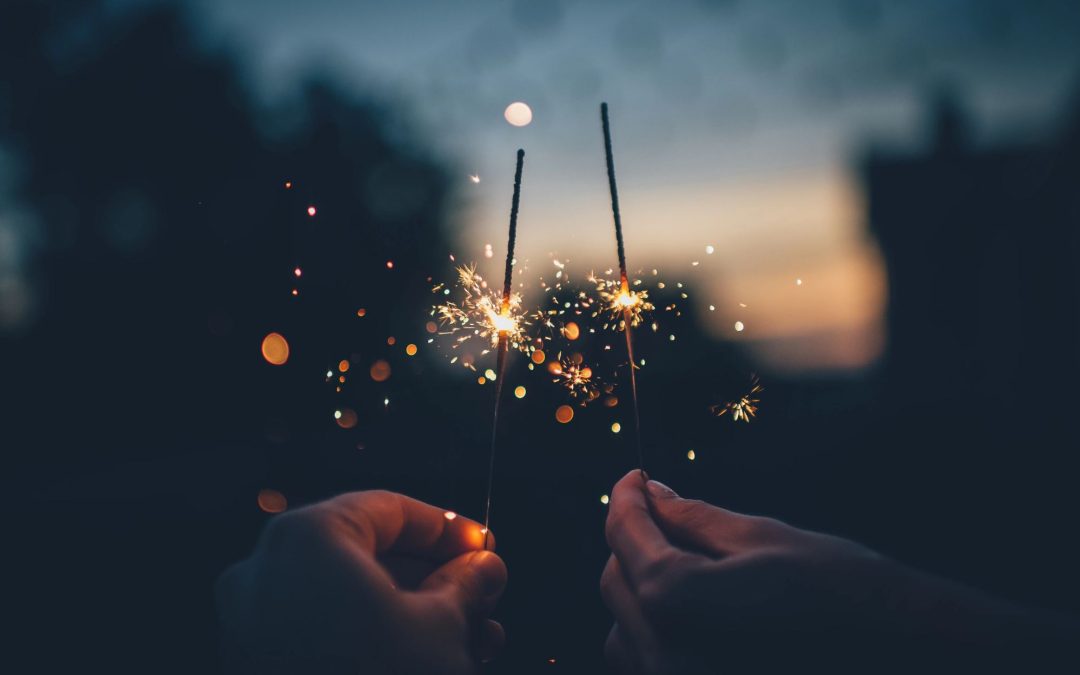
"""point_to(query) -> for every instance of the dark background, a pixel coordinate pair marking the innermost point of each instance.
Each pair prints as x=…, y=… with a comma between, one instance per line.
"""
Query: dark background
x=140, y=420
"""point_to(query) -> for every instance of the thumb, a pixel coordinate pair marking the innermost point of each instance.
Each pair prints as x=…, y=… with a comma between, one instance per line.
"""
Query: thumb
x=473, y=581
x=694, y=523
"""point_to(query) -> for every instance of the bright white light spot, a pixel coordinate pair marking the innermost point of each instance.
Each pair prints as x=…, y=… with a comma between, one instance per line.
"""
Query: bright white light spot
x=489, y=374
x=739, y=326
x=474, y=178
x=604, y=499
x=712, y=308
x=691, y=455
x=311, y=210
x=798, y=282
x=709, y=249
x=449, y=515
x=518, y=114
x=337, y=414
x=616, y=428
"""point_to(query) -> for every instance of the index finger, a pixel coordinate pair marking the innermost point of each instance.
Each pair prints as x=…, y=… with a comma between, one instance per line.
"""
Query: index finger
x=385, y=522
x=631, y=532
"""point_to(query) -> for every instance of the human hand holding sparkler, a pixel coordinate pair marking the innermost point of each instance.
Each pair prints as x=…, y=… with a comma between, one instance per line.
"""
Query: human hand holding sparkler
x=696, y=588
x=371, y=582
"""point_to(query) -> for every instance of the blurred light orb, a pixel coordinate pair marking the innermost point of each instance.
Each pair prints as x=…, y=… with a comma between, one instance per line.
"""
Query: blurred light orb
x=343, y=365
x=297, y=271
x=538, y=356
x=490, y=374
x=380, y=371
x=798, y=282
x=564, y=414
x=571, y=331
x=272, y=501
x=391, y=340
x=311, y=211
x=431, y=327
x=410, y=349
x=519, y=391
x=739, y=326
x=361, y=312
x=518, y=114
x=709, y=249
x=275, y=349
x=389, y=264
x=616, y=428
x=346, y=418
x=691, y=455
x=604, y=499
x=449, y=515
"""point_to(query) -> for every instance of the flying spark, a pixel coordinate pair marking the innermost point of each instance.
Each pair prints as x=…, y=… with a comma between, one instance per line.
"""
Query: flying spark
x=745, y=407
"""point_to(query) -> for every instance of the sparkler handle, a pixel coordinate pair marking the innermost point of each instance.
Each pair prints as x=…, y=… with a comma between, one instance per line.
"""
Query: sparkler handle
x=614, y=189
x=508, y=275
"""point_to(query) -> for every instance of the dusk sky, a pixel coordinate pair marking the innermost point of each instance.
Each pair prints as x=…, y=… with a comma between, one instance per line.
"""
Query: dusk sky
x=736, y=125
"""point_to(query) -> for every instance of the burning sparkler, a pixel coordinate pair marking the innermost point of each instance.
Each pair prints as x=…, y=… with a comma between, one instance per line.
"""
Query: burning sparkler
x=745, y=407
x=505, y=325
x=625, y=300
x=483, y=314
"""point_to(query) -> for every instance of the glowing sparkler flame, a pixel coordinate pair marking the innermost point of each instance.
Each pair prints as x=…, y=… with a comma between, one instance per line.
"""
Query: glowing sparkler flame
x=483, y=313
x=626, y=308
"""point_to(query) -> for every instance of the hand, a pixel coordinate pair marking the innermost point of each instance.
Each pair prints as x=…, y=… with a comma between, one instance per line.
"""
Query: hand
x=697, y=588
x=371, y=582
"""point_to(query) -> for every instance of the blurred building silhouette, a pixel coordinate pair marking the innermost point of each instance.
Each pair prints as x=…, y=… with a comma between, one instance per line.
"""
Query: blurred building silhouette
x=980, y=245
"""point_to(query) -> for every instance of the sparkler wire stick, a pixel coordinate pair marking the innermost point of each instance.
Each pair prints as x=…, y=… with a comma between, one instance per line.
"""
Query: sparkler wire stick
x=504, y=342
x=625, y=279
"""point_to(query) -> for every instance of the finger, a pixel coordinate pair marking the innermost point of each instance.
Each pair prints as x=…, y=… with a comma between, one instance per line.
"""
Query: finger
x=620, y=655
x=632, y=534
x=490, y=640
x=700, y=526
x=381, y=521
x=624, y=605
x=473, y=582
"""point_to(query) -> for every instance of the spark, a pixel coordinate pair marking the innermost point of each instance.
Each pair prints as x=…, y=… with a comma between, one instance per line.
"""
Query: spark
x=297, y=272
x=745, y=407
x=576, y=377
x=311, y=211
x=475, y=178
x=449, y=515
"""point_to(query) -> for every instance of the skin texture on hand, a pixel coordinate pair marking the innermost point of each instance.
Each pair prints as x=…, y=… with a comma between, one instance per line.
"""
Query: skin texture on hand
x=695, y=588
x=367, y=582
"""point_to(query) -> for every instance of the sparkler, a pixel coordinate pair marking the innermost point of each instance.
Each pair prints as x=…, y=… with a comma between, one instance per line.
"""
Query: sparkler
x=628, y=302
x=506, y=326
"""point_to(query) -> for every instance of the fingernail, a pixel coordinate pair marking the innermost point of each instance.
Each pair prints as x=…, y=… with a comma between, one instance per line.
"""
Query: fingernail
x=659, y=490
x=490, y=570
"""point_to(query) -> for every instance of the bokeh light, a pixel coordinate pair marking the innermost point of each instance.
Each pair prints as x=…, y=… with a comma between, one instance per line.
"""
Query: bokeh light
x=275, y=349
x=380, y=371
x=343, y=365
x=519, y=391
x=410, y=349
x=272, y=501
x=346, y=418
x=518, y=114
x=564, y=414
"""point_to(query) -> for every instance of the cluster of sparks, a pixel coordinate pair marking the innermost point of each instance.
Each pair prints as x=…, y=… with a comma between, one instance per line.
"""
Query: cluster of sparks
x=572, y=373
x=619, y=303
x=745, y=407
